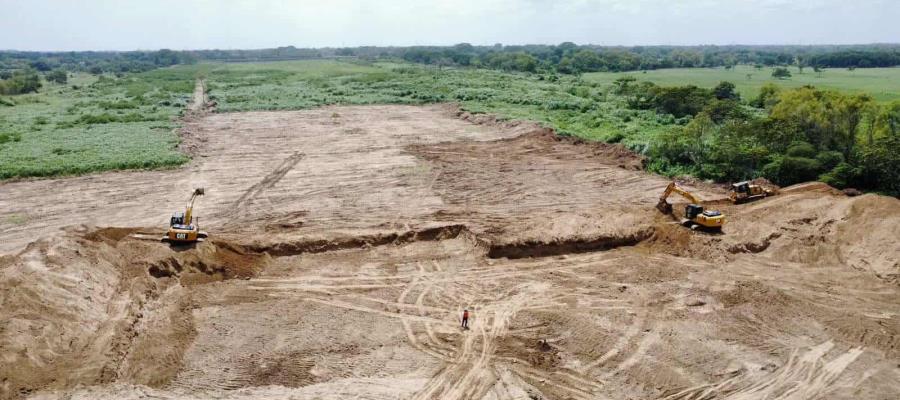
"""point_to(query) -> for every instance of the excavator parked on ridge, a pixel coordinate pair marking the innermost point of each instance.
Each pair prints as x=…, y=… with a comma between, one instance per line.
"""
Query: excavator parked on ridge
x=695, y=217
x=745, y=191
x=184, y=227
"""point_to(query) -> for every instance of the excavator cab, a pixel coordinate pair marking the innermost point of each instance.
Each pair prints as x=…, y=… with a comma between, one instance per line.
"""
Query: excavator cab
x=691, y=211
x=741, y=187
x=183, y=227
x=177, y=219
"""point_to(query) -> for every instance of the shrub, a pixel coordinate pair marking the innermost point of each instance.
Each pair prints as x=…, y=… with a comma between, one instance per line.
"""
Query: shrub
x=9, y=137
x=21, y=82
x=679, y=101
x=842, y=175
x=801, y=149
x=789, y=170
x=768, y=96
x=781, y=73
x=58, y=76
x=830, y=159
x=881, y=161
x=615, y=137
x=725, y=91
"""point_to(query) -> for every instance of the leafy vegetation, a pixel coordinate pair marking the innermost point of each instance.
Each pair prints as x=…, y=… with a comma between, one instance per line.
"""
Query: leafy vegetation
x=20, y=82
x=714, y=131
x=80, y=128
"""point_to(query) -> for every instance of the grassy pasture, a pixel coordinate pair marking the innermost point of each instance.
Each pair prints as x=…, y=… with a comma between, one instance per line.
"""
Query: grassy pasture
x=883, y=84
x=110, y=123
x=91, y=124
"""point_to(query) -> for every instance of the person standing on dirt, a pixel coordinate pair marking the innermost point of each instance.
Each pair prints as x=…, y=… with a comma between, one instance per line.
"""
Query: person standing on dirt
x=465, y=319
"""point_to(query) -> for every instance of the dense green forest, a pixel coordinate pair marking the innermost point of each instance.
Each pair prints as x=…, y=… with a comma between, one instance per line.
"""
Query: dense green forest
x=787, y=136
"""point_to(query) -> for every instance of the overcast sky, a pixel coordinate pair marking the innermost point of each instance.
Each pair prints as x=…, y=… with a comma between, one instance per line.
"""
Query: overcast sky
x=236, y=24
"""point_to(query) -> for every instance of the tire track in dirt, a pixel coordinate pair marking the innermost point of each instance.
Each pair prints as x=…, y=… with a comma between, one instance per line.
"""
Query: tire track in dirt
x=802, y=377
x=620, y=345
x=266, y=182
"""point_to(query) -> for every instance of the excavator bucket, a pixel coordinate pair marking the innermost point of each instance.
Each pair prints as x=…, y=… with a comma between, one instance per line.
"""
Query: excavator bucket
x=198, y=191
x=664, y=207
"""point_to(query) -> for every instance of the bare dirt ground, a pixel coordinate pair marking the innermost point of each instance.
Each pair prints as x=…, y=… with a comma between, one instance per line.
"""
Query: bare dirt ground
x=346, y=241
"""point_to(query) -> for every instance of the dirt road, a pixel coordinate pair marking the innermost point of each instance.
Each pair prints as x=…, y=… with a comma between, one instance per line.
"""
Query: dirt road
x=346, y=241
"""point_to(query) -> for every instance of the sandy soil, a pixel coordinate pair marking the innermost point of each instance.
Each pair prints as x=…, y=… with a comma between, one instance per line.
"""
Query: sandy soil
x=346, y=241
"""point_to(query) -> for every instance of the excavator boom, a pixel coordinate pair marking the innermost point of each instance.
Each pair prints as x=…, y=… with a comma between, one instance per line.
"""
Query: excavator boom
x=189, y=210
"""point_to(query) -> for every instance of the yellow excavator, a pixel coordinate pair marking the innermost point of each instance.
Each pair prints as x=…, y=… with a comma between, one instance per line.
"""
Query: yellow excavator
x=746, y=191
x=695, y=217
x=183, y=227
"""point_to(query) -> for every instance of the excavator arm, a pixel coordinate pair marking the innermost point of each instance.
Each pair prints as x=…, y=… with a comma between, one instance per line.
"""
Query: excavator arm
x=190, y=206
x=665, y=207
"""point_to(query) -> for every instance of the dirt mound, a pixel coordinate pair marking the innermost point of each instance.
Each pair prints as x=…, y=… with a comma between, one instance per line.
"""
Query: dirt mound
x=78, y=308
x=615, y=154
x=819, y=187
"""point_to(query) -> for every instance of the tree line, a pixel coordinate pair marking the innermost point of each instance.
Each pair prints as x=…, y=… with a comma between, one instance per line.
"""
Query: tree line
x=568, y=58
x=802, y=134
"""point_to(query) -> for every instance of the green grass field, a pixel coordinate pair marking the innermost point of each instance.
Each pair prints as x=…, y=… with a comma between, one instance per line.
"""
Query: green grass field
x=570, y=105
x=110, y=123
x=883, y=84
x=91, y=124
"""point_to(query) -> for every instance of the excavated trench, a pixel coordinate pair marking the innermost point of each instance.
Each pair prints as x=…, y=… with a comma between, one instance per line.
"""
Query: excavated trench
x=220, y=259
x=566, y=246
x=321, y=245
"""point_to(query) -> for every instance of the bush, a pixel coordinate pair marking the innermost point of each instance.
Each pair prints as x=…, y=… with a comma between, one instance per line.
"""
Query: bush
x=9, y=137
x=58, y=76
x=781, y=73
x=768, y=96
x=881, y=161
x=721, y=110
x=21, y=82
x=801, y=149
x=725, y=91
x=842, y=175
x=615, y=137
x=830, y=159
x=679, y=101
x=789, y=170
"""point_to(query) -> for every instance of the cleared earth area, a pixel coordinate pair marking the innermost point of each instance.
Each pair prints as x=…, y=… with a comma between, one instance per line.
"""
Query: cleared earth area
x=346, y=241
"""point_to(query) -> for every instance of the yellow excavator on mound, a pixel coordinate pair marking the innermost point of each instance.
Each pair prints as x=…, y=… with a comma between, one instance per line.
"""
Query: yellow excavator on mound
x=695, y=217
x=183, y=227
x=746, y=191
